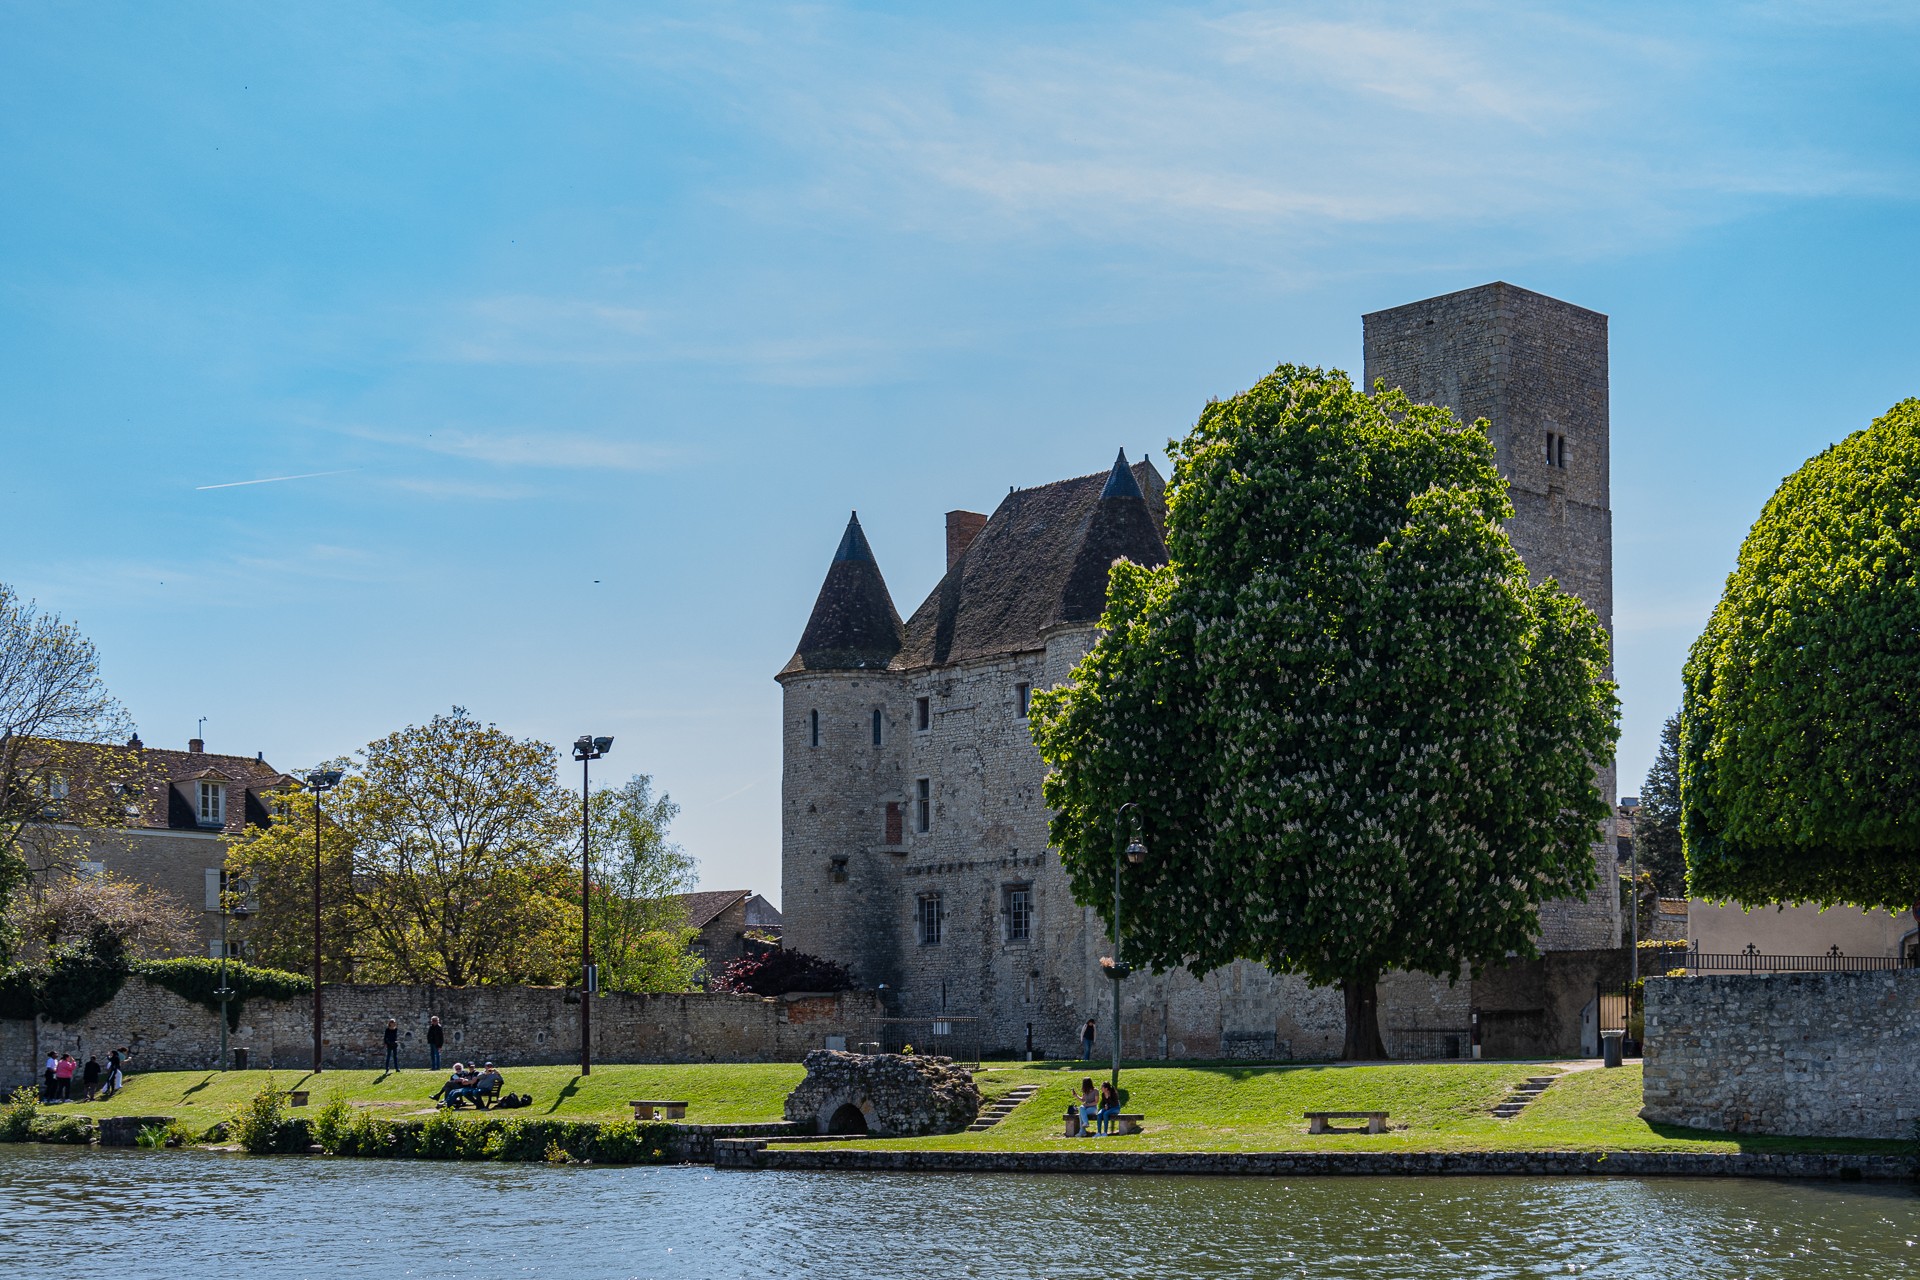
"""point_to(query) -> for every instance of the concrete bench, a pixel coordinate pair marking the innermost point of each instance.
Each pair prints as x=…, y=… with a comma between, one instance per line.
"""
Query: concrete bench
x=1122, y=1124
x=1317, y=1121
x=658, y=1110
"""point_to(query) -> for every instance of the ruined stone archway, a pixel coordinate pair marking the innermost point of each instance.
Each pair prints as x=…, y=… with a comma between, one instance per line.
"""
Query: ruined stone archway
x=847, y=1119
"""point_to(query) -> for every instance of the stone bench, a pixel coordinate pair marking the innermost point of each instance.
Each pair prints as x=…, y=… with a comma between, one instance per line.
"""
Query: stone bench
x=1123, y=1123
x=1317, y=1121
x=658, y=1110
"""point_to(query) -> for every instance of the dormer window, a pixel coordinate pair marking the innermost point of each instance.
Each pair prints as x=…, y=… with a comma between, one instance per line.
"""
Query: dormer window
x=213, y=805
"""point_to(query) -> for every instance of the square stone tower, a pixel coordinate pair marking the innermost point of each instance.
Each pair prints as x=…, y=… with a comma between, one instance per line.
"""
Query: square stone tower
x=1536, y=369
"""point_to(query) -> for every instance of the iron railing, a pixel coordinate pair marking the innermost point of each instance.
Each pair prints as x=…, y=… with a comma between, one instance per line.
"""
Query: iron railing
x=1757, y=962
x=1429, y=1043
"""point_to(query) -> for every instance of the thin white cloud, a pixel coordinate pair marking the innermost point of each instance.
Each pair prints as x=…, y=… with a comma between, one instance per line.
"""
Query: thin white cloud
x=556, y=450
x=238, y=484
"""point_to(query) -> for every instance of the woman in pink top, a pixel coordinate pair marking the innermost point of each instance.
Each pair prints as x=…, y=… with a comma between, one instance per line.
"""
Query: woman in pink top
x=63, y=1077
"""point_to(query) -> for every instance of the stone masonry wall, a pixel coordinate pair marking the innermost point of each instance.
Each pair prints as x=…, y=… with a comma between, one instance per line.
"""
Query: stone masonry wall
x=1802, y=1054
x=522, y=1025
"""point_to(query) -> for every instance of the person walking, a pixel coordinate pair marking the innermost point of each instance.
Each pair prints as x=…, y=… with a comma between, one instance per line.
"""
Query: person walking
x=116, y=1073
x=436, y=1036
x=1086, y=1041
x=392, y=1039
x=90, y=1077
x=46, y=1086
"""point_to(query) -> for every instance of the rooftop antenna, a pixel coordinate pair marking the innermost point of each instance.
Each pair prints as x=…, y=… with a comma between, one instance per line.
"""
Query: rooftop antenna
x=201, y=732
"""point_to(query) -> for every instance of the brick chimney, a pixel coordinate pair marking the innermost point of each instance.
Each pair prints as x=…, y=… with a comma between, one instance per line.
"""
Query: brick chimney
x=196, y=745
x=962, y=528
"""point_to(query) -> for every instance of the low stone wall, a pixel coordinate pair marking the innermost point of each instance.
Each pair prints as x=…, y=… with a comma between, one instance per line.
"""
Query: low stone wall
x=751, y=1154
x=521, y=1025
x=888, y=1095
x=1807, y=1054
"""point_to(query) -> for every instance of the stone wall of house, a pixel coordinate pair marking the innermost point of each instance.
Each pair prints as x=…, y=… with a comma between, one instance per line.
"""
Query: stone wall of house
x=523, y=1025
x=1803, y=1054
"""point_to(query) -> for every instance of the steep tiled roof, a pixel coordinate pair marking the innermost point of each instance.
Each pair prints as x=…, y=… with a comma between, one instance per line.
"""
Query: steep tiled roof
x=159, y=776
x=1042, y=560
x=854, y=624
x=703, y=908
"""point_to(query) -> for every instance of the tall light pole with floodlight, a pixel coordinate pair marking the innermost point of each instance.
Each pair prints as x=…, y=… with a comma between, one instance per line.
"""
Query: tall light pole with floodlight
x=318, y=780
x=587, y=748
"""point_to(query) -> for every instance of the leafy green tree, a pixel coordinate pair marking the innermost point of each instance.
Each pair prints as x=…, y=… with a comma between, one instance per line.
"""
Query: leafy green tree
x=53, y=703
x=641, y=937
x=1656, y=827
x=1358, y=738
x=454, y=840
x=276, y=865
x=1800, y=781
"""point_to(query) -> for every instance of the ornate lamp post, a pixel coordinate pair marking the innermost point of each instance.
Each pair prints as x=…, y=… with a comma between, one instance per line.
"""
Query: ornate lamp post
x=587, y=748
x=1135, y=852
x=318, y=780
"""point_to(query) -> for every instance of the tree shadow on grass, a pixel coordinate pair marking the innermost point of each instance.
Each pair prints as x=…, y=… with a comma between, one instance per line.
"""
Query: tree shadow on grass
x=205, y=1080
x=567, y=1090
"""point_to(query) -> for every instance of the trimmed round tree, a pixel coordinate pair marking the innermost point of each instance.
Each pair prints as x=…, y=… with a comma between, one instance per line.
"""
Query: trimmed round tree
x=1800, y=729
x=1358, y=738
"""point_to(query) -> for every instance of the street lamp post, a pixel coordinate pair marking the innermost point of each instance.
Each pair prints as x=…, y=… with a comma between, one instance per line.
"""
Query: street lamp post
x=225, y=992
x=587, y=748
x=318, y=780
x=1135, y=852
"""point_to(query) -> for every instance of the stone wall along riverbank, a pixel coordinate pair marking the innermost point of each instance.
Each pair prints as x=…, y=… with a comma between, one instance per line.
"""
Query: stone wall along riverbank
x=522, y=1025
x=1801, y=1054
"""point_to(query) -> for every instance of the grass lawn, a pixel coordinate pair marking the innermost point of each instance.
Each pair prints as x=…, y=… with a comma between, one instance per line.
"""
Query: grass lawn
x=715, y=1094
x=1192, y=1107
x=1431, y=1106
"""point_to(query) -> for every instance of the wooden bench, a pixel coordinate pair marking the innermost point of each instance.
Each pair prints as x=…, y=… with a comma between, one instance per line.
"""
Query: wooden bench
x=658, y=1110
x=480, y=1101
x=1317, y=1121
x=1122, y=1123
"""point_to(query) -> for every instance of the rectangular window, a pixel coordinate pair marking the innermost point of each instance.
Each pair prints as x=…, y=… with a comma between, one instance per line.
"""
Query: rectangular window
x=923, y=714
x=1017, y=906
x=877, y=722
x=930, y=919
x=837, y=870
x=1556, y=450
x=923, y=805
x=1023, y=698
x=56, y=788
x=213, y=805
x=813, y=728
x=1561, y=458
x=896, y=822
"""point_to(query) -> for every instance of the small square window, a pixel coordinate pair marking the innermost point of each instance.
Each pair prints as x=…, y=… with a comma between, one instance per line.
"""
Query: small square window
x=1023, y=698
x=923, y=804
x=923, y=714
x=837, y=870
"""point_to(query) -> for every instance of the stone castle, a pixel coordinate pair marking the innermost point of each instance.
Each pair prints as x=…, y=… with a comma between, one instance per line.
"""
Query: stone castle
x=913, y=836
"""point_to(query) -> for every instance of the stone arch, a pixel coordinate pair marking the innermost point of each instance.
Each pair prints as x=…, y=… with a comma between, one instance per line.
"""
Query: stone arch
x=847, y=1113
x=847, y=1119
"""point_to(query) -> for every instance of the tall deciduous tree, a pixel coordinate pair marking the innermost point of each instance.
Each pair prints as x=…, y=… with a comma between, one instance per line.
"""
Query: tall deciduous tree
x=1358, y=738
x=1656, y=827
x=640, y=930
x=277, y=865
x=52, y=701
x=1800, y=781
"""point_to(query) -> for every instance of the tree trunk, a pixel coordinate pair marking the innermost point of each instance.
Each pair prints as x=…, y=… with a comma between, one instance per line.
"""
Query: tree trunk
x=1363, y=1021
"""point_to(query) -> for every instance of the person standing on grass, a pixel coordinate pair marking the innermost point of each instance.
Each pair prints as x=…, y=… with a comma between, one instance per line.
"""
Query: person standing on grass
x=90, y=1077
x=63, y=1077
x=46, y=1087
x=436, y=1036
x=1086, y=1041
x=392, y=1039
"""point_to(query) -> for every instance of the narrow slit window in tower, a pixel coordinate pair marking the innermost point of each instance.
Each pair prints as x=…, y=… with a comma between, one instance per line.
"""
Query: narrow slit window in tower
x=923, y=714
x=923, y=804
x=877, y=721
x=813, y=728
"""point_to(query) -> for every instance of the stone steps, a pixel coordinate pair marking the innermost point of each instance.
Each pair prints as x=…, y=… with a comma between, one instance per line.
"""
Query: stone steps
x=1516, y=1102
x=1000, y=1108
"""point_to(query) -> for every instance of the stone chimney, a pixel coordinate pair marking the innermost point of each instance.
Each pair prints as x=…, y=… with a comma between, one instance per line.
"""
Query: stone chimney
x=196, y=745
x=962, y=528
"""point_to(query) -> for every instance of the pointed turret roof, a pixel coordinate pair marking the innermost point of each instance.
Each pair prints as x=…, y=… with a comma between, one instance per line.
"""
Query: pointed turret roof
x=1121, y=529
x=1120, y=481
x=854, y=624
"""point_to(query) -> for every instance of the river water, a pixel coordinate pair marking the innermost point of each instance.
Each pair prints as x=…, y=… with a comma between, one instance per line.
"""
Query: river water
x=67, y=1212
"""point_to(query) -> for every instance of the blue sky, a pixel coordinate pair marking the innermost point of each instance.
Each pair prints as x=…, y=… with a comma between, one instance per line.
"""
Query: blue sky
x=587, y=325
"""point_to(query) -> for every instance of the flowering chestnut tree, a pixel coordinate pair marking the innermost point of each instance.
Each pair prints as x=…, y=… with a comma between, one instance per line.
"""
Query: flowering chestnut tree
x=1358, y=738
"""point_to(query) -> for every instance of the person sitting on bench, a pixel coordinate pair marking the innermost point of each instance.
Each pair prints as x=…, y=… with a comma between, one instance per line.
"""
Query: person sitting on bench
x=486, y=1085
x=1108, y=1115
x=460, y=1079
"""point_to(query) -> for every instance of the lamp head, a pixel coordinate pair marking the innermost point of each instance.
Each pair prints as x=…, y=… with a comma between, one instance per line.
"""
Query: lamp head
x=602, y=745
x=1136, y=852
x=323, y=779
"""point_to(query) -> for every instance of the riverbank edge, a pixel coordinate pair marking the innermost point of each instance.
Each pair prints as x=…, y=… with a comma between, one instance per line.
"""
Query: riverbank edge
x=753, y=1154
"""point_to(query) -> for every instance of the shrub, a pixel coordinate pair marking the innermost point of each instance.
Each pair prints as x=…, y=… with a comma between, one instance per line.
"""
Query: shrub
x=777, y=973
x=197, y=978
x=261, y=1126
x=152, y=1136
x=332, y=1123
x=557, y=1154
x=441, y=1137
x=74, y=1130
x=16, y=1117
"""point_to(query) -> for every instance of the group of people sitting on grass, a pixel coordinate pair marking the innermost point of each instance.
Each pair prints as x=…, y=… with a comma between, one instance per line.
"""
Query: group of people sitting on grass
x=1099, y=1112
x=65, y=1080
x=477, y=1086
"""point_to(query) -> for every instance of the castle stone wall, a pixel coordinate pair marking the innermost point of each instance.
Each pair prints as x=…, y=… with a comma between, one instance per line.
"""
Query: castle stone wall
x=511, y=1025
x=1801, y=1054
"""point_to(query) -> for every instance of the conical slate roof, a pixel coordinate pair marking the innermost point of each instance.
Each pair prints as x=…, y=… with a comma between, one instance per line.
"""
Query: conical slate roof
x=1121, y=529
x=854, y=624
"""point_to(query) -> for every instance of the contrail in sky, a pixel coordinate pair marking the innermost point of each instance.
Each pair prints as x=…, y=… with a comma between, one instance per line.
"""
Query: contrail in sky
x=235, y=484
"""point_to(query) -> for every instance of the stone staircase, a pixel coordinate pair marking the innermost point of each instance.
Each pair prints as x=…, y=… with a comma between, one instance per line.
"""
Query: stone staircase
x=997, y=1110
x=1516, y=1102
